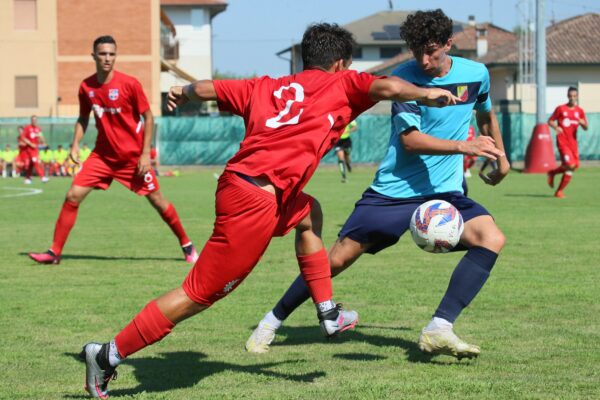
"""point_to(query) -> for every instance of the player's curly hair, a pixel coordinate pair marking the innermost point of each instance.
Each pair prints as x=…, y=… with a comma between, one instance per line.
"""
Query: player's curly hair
x=424, y=28
x=323, y=44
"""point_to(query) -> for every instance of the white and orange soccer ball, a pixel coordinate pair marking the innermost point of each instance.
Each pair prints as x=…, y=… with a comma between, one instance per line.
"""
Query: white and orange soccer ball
x=436, y=226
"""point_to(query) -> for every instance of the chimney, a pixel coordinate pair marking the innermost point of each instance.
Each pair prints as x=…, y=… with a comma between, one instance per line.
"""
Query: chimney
x=482, y=42
x=471, y=20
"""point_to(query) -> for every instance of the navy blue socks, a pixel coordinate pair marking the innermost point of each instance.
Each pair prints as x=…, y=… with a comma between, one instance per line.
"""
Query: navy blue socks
x=296, y=294
x=468, y=278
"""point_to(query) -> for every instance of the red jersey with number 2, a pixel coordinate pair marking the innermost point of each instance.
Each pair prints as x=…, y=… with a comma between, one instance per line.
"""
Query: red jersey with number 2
x=117, y=106
x=568, y=119
x=292, y=121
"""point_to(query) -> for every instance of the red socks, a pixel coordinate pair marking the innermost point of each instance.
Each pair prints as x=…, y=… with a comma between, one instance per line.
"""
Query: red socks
x=316, y=271
x=64, y=223
x=172, y=219
x=557, y=170
x=148, y=327
x=564, y=181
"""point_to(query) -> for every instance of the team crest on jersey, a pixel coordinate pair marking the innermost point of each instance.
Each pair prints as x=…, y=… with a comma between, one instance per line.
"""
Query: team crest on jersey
x=113, y=94
x=462, y=92
x=91, y=94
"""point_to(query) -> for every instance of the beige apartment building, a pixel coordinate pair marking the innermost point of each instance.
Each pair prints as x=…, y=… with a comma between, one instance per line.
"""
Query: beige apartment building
x=46, y=47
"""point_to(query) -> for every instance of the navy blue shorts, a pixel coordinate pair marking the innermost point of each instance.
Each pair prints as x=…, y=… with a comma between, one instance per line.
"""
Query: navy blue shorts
x=381, y=220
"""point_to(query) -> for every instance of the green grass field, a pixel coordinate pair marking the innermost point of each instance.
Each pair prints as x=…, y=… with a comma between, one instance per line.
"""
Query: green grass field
x=536, y=319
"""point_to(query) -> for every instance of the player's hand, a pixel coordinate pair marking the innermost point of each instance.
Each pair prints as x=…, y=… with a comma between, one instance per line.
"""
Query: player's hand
x=143, y=166
x=497, y=174
x=74, y=154
x=481, y=146
x=176, y=97
x=437, y=97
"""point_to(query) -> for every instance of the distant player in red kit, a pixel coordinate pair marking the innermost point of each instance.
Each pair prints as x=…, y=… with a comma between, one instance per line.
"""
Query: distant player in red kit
x=31, y=138
x=122, y=150
x=565, y=120
x=291, y=123
x=468, y=162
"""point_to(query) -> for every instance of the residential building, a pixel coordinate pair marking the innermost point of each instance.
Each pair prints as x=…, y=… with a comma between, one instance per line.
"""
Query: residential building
x=49, y=45
x=573, y=59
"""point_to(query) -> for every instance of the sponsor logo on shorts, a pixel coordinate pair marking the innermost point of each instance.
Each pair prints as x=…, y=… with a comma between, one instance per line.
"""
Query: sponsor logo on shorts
x=229, y=287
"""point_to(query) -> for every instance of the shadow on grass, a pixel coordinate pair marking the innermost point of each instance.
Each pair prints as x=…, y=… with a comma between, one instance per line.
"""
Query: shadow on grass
x=184, y=369
x=111, y=258
x=307, y=335
x=359, y=357
x=541, y=196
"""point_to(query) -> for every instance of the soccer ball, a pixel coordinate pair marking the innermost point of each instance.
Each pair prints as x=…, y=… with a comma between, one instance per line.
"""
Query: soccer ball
x=436, y=226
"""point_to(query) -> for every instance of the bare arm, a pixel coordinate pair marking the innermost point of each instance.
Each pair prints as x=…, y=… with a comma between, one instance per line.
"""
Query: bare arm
x=554, y=125
x=80, y=128
x=194, y=92
x=488, y=126
x=144, y=162
x=394, y=88
x=583, y=123
x=418, y=142
x=28, y=142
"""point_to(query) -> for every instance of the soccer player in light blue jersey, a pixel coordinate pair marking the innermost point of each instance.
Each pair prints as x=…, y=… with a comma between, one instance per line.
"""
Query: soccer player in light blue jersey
x=424, y=162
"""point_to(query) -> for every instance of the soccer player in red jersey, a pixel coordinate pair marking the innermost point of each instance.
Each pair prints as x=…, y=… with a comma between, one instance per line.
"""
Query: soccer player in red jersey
x=565, y=120
x=32, y=137
x=291, y=122
x=122, y=150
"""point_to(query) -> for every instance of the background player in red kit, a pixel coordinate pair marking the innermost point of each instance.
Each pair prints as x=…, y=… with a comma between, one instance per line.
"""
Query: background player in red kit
x=32, y=137
x=291, y=123
x=565, y=120
x=122, y=150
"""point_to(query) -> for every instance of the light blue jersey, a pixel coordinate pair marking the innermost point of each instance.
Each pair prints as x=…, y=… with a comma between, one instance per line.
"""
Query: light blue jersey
x=402, y=174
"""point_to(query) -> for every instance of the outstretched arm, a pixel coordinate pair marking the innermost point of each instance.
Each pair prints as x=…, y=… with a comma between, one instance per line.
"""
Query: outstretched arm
x=418, y=142
x=194, y=92
x=394, y=88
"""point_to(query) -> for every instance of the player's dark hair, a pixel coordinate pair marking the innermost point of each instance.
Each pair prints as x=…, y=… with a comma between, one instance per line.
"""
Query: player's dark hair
x=572, y=89
x=425, y=28
x=104, y=40
x=323, y=44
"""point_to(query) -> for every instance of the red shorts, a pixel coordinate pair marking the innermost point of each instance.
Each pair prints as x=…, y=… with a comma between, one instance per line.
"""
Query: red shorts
x=247, y=218
x=569, y=154
x=97, y=173
x=31, y=155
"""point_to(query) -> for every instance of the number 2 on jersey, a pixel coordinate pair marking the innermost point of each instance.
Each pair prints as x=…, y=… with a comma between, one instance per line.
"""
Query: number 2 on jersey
x=275, y=122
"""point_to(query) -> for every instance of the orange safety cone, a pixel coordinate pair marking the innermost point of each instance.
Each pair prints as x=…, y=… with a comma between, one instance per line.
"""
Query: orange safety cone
x=539, y=157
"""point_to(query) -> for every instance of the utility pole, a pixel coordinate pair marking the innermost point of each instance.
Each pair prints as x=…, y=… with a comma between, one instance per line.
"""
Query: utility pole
x=539, y=157
x=540, y=54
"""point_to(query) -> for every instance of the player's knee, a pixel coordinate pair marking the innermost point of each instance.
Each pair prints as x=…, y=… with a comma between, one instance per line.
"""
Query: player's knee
x=158, y=201
x=74, y=196
x=337, y=262
x=494, y=240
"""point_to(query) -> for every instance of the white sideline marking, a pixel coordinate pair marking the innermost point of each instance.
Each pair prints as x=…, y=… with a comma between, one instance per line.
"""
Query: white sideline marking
x=24, y=192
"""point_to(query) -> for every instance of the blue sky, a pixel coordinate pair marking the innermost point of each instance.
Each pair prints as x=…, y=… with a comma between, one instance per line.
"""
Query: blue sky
x=247, y=35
